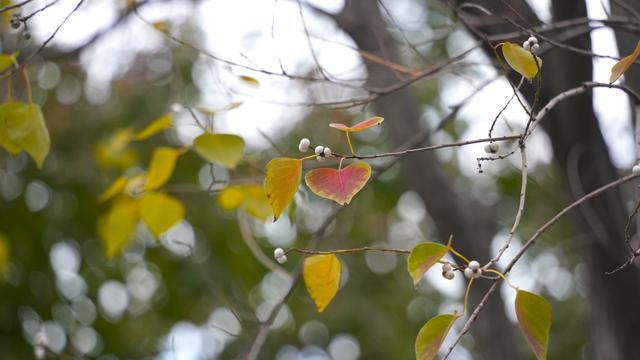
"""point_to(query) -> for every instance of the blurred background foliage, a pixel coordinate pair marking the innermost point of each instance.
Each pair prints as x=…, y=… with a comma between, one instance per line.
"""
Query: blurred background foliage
x=163, y=299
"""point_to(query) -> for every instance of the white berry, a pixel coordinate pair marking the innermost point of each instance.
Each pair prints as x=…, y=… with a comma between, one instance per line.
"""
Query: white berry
x=278, y=253
x=468, y=273
x=319, y=150
x=303, y=146
x=526, y=45
x=446, y=267
x=636, y=169
x=327, y=152
x=474, y=265
x=532, y=40
x=321, y=158
x=491, y=148
x=282, y=259
x=477, y=273
x=449, y=275
x=176, y=107
x=535, y=48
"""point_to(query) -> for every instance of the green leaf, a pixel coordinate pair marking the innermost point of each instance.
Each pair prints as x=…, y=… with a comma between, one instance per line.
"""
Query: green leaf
x=424, y=256
x=24, y=129
x=225, y=149
x=161, y=123
x=4, y=256
x=163, y=161
x=160, y=212
x=521, y=60
x=432, y=334
x=534, y=316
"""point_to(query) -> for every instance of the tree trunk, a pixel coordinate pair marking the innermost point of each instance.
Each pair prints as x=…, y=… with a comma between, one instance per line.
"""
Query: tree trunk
x=453, y=214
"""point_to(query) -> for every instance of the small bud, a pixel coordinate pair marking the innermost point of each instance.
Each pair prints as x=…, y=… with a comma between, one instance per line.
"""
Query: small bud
x=278, y=253
x=282, y=259
x=491, y=148
x=468, y=273
x=327, y=152
x=474, y=265
x=449, y=275
x=636, y=169
x=532, y=40
x=526, y=45
x=535, y=48
x=303, y=146
x=446, y=267
x=176, y=107
x=321, y=158
x=319, y=150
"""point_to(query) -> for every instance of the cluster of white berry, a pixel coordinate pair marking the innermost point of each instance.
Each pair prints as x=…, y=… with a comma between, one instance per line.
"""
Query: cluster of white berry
x=280, y=256
x=19, y=25
x=322, y=152
x=636, y=169
x=531, y=45
x=492, y=148
x=473, y=270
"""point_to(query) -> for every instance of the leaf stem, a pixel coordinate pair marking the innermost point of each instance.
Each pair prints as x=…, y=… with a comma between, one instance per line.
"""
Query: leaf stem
x=493, y=271
x=466, y=296
x=28, y=84
x=350, y=144
x=454, y=252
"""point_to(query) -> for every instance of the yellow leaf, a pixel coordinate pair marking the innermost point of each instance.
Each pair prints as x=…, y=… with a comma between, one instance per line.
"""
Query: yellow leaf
x=6, y=61
x=521, y=60
x=25, y=130
x=250, y=80
x=116, y=227
x=281, y=183
x=624, y=64
x=225, y=149
x=256, y=202
x=160, y=212
x=163, y=122
x=4, y=256
x=321, y=275
x=231, y=197
x=161, y=167
x=135, y=185
x=116, y=187
x=114, y=152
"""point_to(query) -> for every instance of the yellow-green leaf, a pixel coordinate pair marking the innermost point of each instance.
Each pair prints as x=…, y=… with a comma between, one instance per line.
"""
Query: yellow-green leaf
x=534, y=316
x=225, y=149
x=4, y=256
x=163, y=161
x=424, y=256
x=321, y=275
x=25, y=130
x=161, y=123
x=116, y=227
x=114, y=151
x=8, y=60
x=521, y=60
x=231, y=197
x=116, y=187
x=432, y=334
x=624, y=64
x=281, y=183
x=160, y=212
x=251, y=197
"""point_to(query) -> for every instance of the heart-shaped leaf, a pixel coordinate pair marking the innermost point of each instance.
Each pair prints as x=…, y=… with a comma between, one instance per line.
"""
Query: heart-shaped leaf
x=521, y=60
x=534, y=316
x=160, y=212
x=424, y=256
x=117, y=226
x=163, y=161
x=432, y=334
x=363, y=125
x=225, y=149
x=281, y=183
x=161, y=123
x=624, y=64
x=321, y=275
x=339, y=185
x=24, y=129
